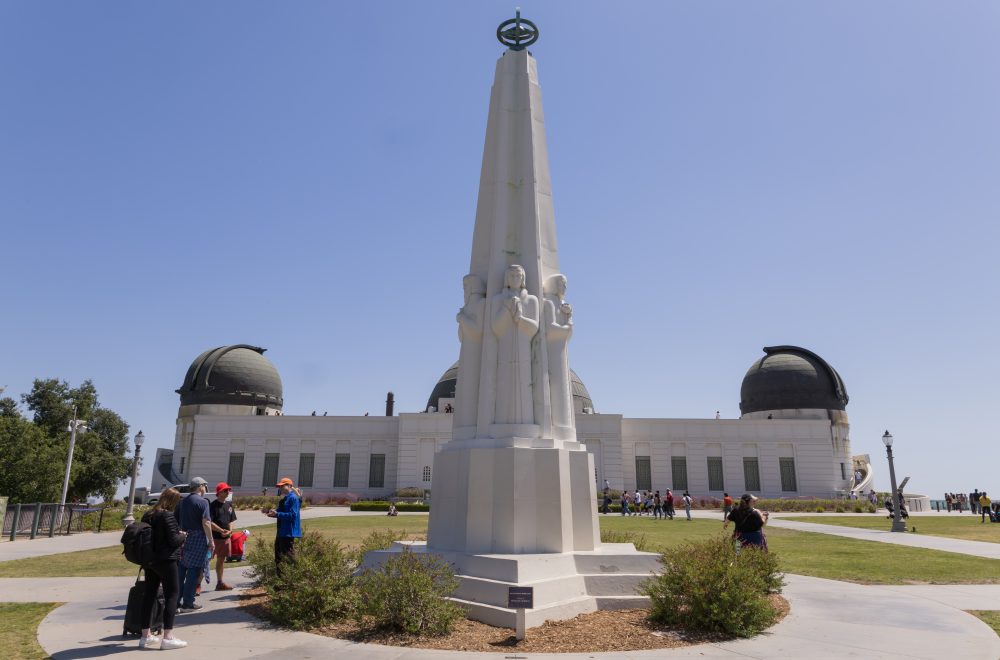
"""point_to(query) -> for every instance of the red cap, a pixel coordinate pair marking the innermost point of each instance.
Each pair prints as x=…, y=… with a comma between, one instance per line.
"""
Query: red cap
x=221, y=486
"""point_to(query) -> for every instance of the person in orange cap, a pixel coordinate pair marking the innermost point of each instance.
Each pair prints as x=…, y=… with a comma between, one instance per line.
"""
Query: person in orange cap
x=223, y=516
x=289, y=520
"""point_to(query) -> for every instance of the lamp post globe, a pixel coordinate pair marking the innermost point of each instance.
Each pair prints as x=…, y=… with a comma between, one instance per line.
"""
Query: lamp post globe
x=897, y=502
x=129, y=518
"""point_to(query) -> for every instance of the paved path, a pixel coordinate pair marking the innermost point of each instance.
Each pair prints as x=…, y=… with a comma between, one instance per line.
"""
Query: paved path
x=828, y=619
x=24, y=548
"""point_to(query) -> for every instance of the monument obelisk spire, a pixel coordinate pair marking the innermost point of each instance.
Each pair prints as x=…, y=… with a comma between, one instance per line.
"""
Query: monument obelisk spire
x=514, y=479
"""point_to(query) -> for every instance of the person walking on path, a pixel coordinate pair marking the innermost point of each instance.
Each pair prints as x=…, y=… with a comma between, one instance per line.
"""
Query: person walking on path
x=289, y=521
x=984, y=506
x=193, y=517
x=687, y=505
x=657, y=506
x=670, y=504
x=749, y=523
x=974, y=501
x=167, y=540
x=223, y=516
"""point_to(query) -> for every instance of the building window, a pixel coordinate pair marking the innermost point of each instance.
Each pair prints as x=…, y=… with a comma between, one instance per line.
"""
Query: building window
x=679, y=472
x=715, y=479
x=643, y=473
x=843, y=471
x=270, y=470
x=341, y=470
x=183, y=459
x=787, y=466
x=376, y=471
x=427, y=473
x=306, y=464
x=235, y=476
x=751, y=473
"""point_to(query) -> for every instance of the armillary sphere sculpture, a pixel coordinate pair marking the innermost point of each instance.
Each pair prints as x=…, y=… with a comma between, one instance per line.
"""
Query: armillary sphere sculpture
x=517, y=33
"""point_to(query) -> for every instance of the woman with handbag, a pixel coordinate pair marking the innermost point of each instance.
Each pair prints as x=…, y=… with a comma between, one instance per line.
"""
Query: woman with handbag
x=167, y=542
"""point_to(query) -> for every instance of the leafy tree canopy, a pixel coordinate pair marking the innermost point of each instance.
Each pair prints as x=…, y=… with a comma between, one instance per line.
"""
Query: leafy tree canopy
x=33, y=453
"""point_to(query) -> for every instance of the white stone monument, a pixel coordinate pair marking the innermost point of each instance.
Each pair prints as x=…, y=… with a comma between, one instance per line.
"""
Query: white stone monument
x=514, y=499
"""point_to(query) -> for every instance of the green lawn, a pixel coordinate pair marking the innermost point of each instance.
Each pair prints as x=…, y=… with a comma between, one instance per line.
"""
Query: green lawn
x=954, y=526
x=19, y=627
x=990, y=617
x=803, y=553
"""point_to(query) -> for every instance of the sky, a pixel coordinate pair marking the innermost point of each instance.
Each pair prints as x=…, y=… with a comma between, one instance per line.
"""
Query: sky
x=176, y=176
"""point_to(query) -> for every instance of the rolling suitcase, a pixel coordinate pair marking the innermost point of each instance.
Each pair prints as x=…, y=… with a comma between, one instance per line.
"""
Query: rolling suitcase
x=133, y=624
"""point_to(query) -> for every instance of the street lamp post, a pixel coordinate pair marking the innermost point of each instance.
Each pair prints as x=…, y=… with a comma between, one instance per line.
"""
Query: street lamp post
x=74, y=426
x=129, y=518
x=897, y=513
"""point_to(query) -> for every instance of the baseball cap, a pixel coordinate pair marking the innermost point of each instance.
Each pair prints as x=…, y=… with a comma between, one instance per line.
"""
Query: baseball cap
x=749, y=497
x=221, y=486
x=285, y=481
x=197, y=482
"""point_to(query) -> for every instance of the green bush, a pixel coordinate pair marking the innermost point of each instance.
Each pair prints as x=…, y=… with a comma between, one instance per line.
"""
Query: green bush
x=709, y=586
x=820, y=509
x=408, y=593
x=315, y=586
x=638, y=540
x=410, y=492
x=112, y=518
x=384, y=506
x=871, y=508
x=376, y=540
x=858, y=508
x=839, y=509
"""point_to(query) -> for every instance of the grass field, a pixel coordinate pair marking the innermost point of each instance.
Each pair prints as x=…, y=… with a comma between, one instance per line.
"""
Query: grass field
x=955, y=526
x=18, y=628
x=803, y=553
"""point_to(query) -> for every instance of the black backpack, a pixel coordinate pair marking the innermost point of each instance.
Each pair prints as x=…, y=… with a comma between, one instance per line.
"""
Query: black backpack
x=138, y=542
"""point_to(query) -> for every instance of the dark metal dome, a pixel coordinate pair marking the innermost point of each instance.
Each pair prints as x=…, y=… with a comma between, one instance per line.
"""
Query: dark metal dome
x=445, y=388
x=789, y=377
x=232, y=375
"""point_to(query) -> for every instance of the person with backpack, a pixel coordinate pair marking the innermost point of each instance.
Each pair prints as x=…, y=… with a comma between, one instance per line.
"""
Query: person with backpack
x=687, y=505
x=166, y=540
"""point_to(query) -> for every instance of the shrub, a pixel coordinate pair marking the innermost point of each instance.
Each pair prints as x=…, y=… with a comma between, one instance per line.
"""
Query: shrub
x=638, y=540
x=871, y=508
x=709, y=586
x=858, y=508
x=260, y=558
x=315, y=586
x=409, y=492
x=384, y=506
x=408, y=593
x=820, y=509
x=376, y=540
x=839, y=509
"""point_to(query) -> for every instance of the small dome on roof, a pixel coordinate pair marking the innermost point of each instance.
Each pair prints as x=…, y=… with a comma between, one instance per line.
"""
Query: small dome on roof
x=232, y=375
x=445, y=389
x=789, y=377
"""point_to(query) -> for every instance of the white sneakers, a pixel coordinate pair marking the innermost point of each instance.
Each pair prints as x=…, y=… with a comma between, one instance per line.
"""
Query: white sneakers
x=148, y=642
x=174, y=643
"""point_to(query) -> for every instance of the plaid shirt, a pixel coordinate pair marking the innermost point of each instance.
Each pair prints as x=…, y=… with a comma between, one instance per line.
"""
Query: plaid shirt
x=195, y=549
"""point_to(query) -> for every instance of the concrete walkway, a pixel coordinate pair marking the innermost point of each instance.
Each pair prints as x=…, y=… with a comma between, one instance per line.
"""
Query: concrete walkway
x=828, y=619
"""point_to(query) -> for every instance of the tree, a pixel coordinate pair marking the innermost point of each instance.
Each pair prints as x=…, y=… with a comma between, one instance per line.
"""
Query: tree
x=101, y=460
x=8, y=408
x=31, y=468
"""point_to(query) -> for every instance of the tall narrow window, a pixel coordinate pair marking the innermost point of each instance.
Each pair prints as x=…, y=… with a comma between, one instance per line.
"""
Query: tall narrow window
x=183, y=459
x=787, y=466
x=843, y=471
x=427, y=473
x=751, y=473
x=270, y=470
x=235, y=475
x=341, y=470
x=376, y=471
x=643, y=473
x=306, y=464
x=679, y=472
x=715, y=478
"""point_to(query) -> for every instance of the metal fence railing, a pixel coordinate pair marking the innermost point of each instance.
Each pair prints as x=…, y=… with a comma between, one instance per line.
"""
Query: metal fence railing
x=40, y=519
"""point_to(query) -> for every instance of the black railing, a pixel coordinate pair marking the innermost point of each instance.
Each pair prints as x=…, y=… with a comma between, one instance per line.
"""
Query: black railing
x=40, y=519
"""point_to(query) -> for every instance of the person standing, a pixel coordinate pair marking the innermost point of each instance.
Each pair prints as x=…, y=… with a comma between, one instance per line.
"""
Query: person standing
x=167, y=540
x=657, y=506
x=289, y=521
x=670, y=504
x=974, y=501
x=984, y=506
x=687, y=505
x=727, y=507
x=223, y=516
x=193, y=517
x=749, y=523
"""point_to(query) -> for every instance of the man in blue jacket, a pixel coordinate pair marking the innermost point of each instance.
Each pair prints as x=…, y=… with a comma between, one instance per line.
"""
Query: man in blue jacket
x=289, y=521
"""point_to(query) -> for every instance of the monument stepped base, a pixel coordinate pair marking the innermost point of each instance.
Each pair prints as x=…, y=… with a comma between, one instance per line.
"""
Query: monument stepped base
x=565, y=584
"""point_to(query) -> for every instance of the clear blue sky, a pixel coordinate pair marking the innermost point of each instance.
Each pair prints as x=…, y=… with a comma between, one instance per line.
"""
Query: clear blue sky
x=303, y=176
